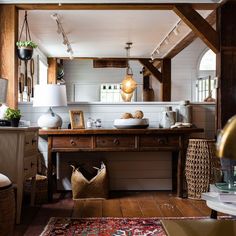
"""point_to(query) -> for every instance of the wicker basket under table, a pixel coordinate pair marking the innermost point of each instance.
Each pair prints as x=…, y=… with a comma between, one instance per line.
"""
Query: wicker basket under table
x=7, y=211
x=199, y=164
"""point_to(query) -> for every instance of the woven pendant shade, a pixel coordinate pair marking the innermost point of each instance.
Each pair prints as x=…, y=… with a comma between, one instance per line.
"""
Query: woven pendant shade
x=128, y=85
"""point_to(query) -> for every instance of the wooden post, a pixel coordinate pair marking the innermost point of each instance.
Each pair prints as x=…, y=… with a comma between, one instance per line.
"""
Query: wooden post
x=52, y=70
x=166, y=79
x=8, y=57
x=226, y=61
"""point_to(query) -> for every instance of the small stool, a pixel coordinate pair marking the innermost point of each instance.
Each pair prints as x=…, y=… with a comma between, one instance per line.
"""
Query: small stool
x=7, y=206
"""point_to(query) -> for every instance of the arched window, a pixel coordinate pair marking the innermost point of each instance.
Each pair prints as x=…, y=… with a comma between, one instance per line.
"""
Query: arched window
x=208, y=61
x=205, y=85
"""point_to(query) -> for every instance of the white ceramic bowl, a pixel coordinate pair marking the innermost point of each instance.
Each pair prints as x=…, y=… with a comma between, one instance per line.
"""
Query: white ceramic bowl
x=131, y=123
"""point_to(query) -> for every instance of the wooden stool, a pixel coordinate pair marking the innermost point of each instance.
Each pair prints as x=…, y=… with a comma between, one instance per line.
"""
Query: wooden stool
x=7, y=206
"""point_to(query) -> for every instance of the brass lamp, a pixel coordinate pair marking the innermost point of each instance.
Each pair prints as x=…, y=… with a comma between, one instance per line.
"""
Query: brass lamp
x=226, y=141
x=226, y=148
x=128, y=85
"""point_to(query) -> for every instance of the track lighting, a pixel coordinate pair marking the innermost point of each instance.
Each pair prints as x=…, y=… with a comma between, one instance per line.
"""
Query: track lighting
x=61, y=31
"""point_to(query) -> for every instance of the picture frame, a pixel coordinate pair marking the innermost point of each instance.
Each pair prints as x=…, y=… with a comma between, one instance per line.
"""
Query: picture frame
x=76, y=119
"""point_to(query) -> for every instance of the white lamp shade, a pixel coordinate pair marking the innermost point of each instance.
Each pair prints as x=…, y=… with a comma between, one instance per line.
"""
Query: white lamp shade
x=50, y=95
x=3, y=90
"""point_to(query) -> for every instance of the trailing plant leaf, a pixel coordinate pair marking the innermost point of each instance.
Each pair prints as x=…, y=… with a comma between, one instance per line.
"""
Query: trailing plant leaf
x=26, y=44
x=12, y=114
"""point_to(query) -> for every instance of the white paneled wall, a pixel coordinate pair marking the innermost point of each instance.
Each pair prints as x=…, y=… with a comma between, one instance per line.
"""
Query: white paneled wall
x=134, y=171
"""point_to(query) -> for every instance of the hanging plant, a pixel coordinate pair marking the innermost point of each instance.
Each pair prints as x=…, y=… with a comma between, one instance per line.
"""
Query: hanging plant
x=25, y=47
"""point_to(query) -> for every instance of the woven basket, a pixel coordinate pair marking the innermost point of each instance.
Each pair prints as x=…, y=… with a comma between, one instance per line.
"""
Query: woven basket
x=200, y=161
x=7, y=211
x=97, y=187
x=41, y=191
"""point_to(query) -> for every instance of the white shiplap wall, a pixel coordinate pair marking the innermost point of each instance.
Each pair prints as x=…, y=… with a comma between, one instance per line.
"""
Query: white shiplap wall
x=133, y=171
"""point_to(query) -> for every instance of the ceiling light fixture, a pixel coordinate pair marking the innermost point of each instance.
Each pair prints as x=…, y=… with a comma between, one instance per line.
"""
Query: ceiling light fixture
x=166, y=40
x=61, y=31
x=128, y=85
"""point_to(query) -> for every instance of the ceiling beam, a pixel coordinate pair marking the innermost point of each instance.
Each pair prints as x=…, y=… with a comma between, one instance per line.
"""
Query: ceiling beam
x=153, y=70
x=105, y=58
x=199, y=25
x=114, y=6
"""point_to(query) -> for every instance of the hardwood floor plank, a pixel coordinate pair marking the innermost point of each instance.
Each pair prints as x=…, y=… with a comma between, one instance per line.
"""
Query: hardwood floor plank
x=111, y=208
x=92, y=208
x=130, y=208
x=185, y=207
x=167, y=208
x=201, y=205
x=78, y=208
x=149, y=208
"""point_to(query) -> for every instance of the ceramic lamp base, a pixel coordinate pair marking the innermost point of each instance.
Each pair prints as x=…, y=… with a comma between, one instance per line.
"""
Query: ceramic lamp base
x=50, y=120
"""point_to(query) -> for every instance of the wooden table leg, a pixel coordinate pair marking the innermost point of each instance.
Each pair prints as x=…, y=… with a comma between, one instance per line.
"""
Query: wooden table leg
x=174, y=171
x=213, y=214
x=50, y=170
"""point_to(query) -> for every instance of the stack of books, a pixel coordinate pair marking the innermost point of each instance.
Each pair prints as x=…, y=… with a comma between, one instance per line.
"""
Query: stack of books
x=218, y=195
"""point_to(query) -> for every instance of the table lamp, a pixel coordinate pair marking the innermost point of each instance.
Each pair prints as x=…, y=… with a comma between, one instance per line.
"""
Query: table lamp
x=226, y=148
x=50, y=95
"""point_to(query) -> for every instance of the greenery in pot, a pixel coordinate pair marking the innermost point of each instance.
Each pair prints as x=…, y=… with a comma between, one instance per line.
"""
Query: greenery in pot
x=12, y=114
x=30, y=44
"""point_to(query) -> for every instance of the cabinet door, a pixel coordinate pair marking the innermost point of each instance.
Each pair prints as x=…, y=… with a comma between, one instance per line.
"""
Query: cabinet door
x=9, y=155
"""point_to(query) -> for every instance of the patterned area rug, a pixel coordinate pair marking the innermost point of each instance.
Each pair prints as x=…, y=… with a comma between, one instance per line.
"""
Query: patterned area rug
x=104, y=227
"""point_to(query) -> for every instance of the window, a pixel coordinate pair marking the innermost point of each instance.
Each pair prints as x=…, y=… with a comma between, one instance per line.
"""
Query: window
x=208, y=61
x=206, y=83
x=43, y=73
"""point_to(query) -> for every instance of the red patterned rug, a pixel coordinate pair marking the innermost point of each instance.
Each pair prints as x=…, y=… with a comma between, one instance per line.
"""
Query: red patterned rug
x=104, y=227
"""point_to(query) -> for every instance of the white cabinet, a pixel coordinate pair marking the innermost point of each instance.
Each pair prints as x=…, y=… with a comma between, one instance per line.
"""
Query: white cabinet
x=18, y=159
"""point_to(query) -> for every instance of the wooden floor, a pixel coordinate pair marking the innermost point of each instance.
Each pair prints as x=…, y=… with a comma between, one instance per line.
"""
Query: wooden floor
x=120, y=204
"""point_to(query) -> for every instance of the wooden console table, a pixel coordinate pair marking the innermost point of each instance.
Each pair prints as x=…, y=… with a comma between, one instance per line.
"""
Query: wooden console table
x=118, y=140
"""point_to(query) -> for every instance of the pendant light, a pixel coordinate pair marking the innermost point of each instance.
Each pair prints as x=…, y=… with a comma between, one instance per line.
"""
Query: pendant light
x=128, y=85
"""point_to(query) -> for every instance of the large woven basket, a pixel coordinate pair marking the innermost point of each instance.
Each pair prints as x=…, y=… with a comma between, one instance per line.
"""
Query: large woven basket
x=41, y=189
x=7, y=211
x=97, y=187
x=200, y=165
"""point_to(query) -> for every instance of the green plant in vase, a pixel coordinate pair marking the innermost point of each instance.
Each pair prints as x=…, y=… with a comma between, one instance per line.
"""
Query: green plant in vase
x=13, y=115
x=25, y=49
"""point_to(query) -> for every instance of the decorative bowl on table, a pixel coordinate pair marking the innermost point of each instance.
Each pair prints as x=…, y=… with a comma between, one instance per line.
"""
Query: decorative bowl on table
x=131, y=123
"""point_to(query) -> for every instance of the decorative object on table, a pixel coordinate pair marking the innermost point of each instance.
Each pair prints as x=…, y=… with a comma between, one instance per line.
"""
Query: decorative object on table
x=198, y=167
x=128, y=85
x=185, y=112
x=129, y=121
x=226, y=150
x=89, y=123
x=98, y=123
x=32, y=76
x=13, y=115
x=97, y=187
x=7, y=206
x=168, y=118
x=50, y=95
x=76, y=119
x=104, y=226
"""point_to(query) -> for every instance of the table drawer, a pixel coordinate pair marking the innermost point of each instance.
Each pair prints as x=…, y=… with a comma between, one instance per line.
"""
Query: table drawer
x=31, y=143
x=158, y=141
x=73, y=142
x=30, y=166
x=116, y=142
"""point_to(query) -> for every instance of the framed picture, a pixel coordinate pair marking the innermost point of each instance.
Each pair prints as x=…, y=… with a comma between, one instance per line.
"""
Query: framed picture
x=76, y=119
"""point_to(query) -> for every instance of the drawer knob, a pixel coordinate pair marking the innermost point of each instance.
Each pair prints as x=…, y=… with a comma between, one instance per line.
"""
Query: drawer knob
x=116, y=141
x=161, y=141
x=72, y=142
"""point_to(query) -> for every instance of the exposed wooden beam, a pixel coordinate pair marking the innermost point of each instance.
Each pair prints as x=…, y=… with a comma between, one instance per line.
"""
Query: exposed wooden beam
x=52, y=70
x=166, y=79
x=188, y=39
x=104, y=58
x=153, y=70
x=199, y=25
x=8, y=58
x=112, y=6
